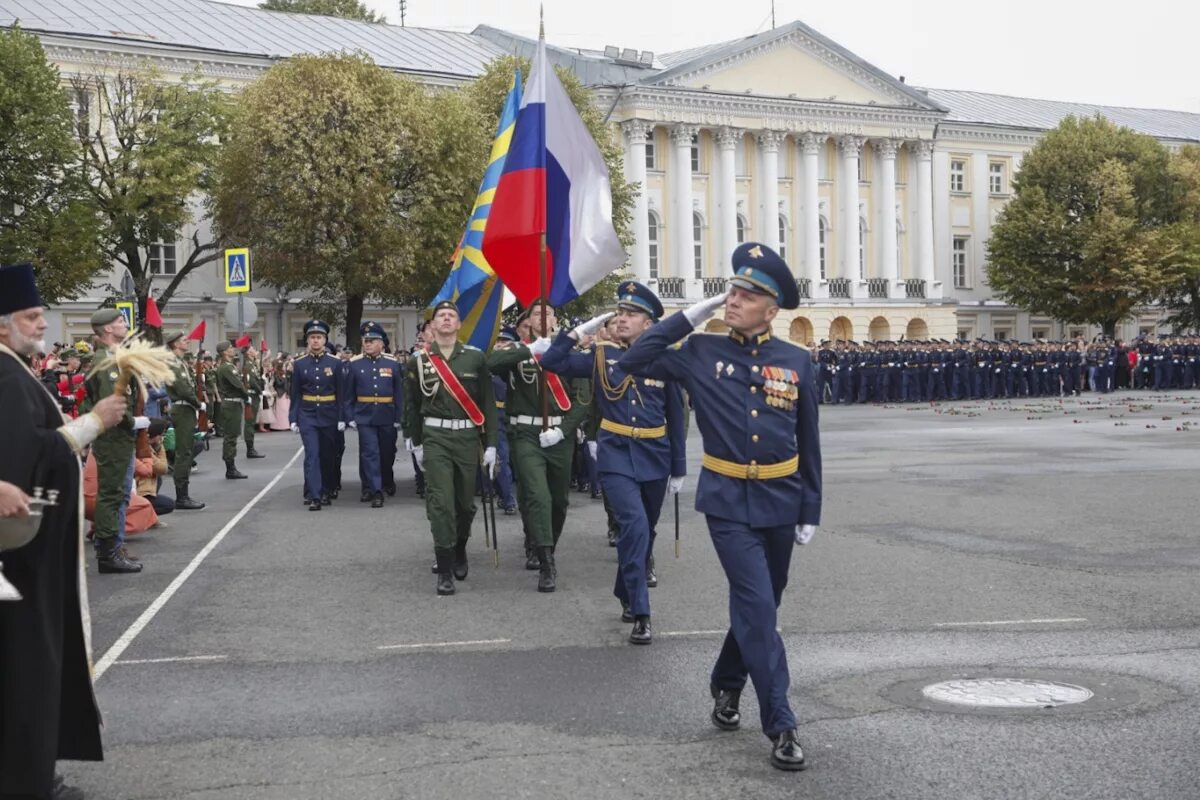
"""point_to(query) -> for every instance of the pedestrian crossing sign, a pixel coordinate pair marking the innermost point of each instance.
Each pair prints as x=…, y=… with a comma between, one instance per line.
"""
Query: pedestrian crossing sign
x=237, y=270
x=126, y=309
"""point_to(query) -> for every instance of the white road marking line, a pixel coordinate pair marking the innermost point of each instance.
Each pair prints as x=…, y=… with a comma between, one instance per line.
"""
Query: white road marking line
x=141, y=622
x=175, y=660
x=441, y=644
x=1009, y=622
x=692, y=633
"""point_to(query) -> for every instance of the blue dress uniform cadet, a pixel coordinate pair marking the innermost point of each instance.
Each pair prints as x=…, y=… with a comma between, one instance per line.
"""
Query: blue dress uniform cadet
x=372, y=392
x=755, y=401
x=641, y=442
x=314, y=413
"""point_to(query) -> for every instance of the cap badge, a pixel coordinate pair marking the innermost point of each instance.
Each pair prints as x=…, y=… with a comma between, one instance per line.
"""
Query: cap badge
x=755, y=252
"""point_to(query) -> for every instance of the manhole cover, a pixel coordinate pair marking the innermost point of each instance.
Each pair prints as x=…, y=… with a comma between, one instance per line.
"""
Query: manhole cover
x=1006, y=693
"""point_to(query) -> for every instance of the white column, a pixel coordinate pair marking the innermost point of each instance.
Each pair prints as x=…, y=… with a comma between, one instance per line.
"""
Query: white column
x=849, y=147
x=924, y=266
x=768, y=188
x=635, y=173
x=682, y=244
x=811, y=145
x=886, y=148
x=727, y=140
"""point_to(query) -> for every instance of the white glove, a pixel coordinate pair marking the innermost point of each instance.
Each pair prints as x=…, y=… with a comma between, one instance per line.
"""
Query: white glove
x=141, y=423
x=592, y=325
x=592, y=448
x=489, y=460
x=550, y=437
x=408, y=445
x=203, y=407
x=805, y=533
x=341, y=427
x=539, y=346
x=675, y=484
x=295, y=428
x=704, y=309
x=353, y=425
x=396, y=425
x=579, y=435
x=419, y=452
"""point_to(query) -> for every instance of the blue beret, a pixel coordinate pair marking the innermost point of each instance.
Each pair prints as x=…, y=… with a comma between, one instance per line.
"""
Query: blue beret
x=316, y=326
x=636, y=297
x=758, y=268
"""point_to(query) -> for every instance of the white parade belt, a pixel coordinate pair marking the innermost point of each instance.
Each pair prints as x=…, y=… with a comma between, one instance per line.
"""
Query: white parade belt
x=523, y=419
x=450, y=424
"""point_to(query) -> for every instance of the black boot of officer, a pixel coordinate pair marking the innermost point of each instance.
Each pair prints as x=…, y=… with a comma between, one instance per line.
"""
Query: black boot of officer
x=231, y=472
x=546, y=571
x=460, y=566
x=445, y=562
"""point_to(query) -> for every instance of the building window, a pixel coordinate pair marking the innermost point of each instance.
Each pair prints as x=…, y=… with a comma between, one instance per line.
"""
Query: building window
x=964, y=334
x=958, y=176
x=162, y=258
x=959, y=260
x=862, y=166
x=81, y=103
x=1076, y=333
x=1040, y=333
x=1001, y=334
x=652, y=241
x=695, y=154
x=739, y=157
x=862, y=249
x=782, y=237
x=821, y=227
x=698, y=244
x=741, y=229
x=651, y=151
x=996, y=184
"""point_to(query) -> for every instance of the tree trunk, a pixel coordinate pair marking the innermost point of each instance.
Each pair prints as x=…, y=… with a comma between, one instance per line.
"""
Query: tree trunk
x=1109, y=326
x=354, y=314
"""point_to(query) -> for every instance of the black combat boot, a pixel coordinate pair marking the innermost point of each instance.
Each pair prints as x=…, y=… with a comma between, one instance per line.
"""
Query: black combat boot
x=252, y=453
x=231, y=472
x=725, y=714
x=532, y=561
x=377, y=500
x=445, y=562
x=183, y=502
x=546, y=570
x=111, y=559
x=460, y=561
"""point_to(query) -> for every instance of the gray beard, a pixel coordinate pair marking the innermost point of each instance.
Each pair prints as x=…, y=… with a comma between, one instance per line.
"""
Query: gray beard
x=23, y=345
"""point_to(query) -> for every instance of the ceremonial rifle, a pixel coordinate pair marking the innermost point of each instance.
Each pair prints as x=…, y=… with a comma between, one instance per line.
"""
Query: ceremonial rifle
x=677, y=524
x=202, y=396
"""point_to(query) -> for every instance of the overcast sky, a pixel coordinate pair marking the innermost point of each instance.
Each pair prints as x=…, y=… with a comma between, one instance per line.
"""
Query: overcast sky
x=1131, y=54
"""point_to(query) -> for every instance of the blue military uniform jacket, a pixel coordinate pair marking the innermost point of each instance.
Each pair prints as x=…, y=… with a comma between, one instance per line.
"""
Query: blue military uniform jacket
x=641, y=403
x=315, y=391
x=372, y=390
x=756, y=405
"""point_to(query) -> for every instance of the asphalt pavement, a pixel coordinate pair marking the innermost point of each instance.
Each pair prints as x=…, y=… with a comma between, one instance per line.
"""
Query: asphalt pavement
x=272, y=652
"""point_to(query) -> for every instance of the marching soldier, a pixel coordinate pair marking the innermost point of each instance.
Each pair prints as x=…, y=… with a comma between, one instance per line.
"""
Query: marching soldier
x=253, y=378
x=541, y=448
x=641, y=448
x=755, y=401
x=232, y=413
x=314, y=413
x=371, y=397
x=449, y=414
x=185, y=407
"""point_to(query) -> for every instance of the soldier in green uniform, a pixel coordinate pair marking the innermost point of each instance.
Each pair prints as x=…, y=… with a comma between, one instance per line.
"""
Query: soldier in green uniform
x=113, y=449
x=210, y=392
x=254, y=391
x=185, y=406
x=448, y=419
x=541, y=449
x=232, y=415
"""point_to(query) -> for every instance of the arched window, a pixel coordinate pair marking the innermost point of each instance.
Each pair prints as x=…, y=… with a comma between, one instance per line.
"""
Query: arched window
x=821, y=228
x=741, y=229
x=698, y=244
x=652, y=240
x=862, y=249
x=782, y=237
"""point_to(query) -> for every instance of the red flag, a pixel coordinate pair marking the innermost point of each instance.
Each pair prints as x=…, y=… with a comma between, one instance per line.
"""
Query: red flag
x=197, y=334
x=263, y=345
x=245, y=341
x=153, y=318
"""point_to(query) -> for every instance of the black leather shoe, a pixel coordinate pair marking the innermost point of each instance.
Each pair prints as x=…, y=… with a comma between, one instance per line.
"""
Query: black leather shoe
x=641, y=631
x=510, y=510
x=445, y=583
x=185, y=503
x=390, y=490
x=651, y=575
x=786, y=753
x=626, y=614
x=365, y=497
x=326, y=499
x=377, y=500
x=314, y=504
x=252, y=453
x=61, y=791
x=612, y=537
x=114, y=561
x=725, y=714
x=460, y=567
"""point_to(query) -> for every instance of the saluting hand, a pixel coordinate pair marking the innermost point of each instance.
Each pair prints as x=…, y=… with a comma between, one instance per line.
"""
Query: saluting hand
x=701, y=311
x=591, y=326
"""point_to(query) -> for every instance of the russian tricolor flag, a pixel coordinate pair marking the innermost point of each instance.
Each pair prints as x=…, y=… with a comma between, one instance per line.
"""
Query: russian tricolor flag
x=555, y=182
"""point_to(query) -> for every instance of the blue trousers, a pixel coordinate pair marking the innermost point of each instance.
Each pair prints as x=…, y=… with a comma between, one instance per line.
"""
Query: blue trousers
x=635, y=506
x=756, y=562
x=320, y=445
x=375, y=443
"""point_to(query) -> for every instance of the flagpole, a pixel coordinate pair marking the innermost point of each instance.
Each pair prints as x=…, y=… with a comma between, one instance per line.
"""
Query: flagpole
x=544, y=290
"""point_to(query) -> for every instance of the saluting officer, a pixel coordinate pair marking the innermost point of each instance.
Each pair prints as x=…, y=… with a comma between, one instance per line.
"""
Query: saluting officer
x=449, y=415
x=641, y=447
x=372, y=394
x=314, y=413
x=232, y=391
x=755, y=400
x=185, y=407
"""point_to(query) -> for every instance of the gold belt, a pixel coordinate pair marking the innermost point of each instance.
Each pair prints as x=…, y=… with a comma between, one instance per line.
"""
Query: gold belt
x=499, y=404
x=632, y=432
x=752, y=471
x=374, y=399
x=318, y=398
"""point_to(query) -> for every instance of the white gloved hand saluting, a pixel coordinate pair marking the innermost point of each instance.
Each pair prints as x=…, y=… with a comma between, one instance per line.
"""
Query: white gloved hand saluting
x=419, y=453
x=675, y=484
x=704, y=309
x=489, y=460
x=805, y=533
x=295, y=428
x=550, y=437
x=591, y=326
x=141, y=423
x=539, y=346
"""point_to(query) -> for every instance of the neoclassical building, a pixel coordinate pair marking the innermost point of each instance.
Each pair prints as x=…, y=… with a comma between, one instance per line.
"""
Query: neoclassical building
x=879, y=194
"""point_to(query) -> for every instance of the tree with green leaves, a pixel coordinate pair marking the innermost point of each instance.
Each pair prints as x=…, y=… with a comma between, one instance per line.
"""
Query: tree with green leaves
x=147, y=155
x=348, y=9
x=349, y=182
x=1180, y=243
x=47, y=215
x=1080, y=239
